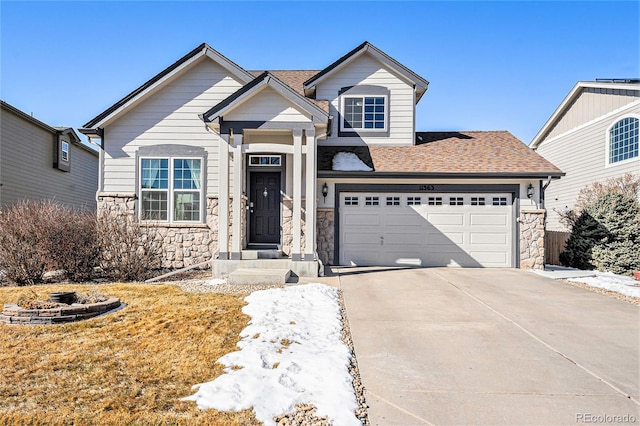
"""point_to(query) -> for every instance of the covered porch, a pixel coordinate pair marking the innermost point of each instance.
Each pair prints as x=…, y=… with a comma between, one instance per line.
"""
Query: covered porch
x=266, y=173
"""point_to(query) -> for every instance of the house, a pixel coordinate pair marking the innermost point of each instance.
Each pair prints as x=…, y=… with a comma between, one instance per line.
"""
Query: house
x=38, y=162
x=591, y=136
x=317, y=166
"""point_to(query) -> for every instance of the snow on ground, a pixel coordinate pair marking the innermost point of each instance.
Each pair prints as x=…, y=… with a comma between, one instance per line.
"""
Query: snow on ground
x=610, y=281
x=290, y=353
x=349, y=162
x=215, y=281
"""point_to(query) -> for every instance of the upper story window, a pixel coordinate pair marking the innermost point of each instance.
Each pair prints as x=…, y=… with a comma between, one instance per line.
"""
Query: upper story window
x=623, y=140
x=64, y=150
x=171, y=189
x=364, y=113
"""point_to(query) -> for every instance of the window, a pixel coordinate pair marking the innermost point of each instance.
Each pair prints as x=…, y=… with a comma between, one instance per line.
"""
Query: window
x=499, y=201
x=264, y=160
x=623, y=140
x=371, y=201
x=477, y=201
x=171, y=189
x=350, y=201
x=414, y=201
x=65, y=151
x=364, y=112
x=393, y=201
x=435, y=201
x=456, y=201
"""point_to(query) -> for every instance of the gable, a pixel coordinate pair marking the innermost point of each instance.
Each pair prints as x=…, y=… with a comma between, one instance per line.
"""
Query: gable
x=175, y=70
x=590, y=104
x=267, y=105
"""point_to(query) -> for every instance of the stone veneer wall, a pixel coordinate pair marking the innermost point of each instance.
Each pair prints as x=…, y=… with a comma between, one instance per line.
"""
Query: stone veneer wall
x=183, y=244
x=287, y=226
x=532, y=239
x=325, y=238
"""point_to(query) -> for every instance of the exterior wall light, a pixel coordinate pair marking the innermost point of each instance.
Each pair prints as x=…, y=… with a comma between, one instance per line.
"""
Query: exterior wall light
x=530, y=191
x=325, y=191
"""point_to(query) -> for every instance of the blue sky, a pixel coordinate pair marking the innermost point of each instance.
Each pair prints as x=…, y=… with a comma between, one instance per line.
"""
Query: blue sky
x=491, y=65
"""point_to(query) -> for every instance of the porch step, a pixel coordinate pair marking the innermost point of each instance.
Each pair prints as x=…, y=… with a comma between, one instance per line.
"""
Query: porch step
x=259, y=276
x=261, y=254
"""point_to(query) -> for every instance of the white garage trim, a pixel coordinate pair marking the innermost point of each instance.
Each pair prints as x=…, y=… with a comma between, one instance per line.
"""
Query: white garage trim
x=442, y=225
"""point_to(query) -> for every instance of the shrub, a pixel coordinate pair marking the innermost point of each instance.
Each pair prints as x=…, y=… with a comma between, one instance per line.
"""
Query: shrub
x=72, y=244
x=606, y=235
x=128, y=250
x=36, y=236
x=23, y=232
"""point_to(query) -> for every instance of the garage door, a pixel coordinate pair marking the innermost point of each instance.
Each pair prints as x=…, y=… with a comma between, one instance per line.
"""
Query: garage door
x=426, y=229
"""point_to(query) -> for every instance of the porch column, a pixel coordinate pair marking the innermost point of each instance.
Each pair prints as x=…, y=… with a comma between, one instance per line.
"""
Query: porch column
x=297, y=193
x=223, y=197
x=310, y=204
x=236, y=233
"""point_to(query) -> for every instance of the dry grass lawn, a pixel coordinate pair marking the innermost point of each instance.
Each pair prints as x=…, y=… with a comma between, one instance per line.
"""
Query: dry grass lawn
x=128, y=367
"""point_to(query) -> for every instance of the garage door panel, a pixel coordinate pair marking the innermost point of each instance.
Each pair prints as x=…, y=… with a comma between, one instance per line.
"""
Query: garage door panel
x=354, y=237
x=489, y=238
x=446, y=219
x=490, y=258
x=445, y=239
x=409, y=220
x=362, y=219
x=414, y=232
x=487, y=219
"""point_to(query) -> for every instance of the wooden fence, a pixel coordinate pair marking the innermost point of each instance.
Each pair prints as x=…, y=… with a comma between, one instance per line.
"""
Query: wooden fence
x=554, y=242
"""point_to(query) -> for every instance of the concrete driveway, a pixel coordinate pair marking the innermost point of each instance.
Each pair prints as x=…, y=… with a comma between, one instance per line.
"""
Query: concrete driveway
x=491, y=346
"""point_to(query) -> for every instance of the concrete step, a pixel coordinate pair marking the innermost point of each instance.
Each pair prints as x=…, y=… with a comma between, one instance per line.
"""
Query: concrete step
x=259, y=276
x=261, y=254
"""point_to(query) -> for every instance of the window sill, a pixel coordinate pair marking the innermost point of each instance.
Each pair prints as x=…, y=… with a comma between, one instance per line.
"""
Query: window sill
x=173, y=225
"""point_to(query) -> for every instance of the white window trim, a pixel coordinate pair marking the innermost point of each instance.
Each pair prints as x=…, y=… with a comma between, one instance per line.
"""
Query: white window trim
x=64, y=150
x=170, y=190
x=607, y=134
x=362, y=129
x=267, y=156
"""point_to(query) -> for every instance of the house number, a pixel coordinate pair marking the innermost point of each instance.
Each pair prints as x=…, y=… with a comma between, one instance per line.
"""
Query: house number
x=426, y=188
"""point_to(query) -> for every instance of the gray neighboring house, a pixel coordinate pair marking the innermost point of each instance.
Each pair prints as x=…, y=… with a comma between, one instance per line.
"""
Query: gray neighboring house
x=592, y=136
x=38, y=161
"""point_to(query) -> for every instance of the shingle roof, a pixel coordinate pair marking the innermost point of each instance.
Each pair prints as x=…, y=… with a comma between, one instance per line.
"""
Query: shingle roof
x=295, y=79
x=472, y=152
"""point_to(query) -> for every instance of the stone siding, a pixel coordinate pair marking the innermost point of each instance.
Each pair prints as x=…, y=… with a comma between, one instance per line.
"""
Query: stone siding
x=287, y=226
x=532, y=239
x=325, y=238
x=182, y=244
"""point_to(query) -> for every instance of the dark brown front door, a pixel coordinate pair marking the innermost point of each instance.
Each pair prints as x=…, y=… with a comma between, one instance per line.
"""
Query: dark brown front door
x=264, y=221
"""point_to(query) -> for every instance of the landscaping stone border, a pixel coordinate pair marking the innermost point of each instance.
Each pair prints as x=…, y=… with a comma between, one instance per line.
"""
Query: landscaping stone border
x=14, y=314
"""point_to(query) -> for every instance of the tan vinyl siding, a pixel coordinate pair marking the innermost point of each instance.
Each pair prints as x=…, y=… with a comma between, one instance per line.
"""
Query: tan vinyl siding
x=267, y=105
x=591, y=104
x=582, y=156
x=170, y=116
x=366, y=70
x=27, y=172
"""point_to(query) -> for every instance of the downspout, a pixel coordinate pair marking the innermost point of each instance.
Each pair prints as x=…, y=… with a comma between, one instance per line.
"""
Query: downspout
x=542, y=189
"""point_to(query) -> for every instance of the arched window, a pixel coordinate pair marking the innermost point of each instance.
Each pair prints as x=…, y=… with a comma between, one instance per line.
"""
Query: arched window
x=623, y=140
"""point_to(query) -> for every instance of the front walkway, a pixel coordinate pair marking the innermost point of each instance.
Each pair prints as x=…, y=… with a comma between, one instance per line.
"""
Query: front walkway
x=491, y=346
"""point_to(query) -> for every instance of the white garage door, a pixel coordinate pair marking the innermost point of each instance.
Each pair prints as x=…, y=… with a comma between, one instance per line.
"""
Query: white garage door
x=426, y=229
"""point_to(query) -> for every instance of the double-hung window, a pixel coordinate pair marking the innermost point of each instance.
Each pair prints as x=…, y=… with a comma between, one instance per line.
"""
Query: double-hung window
x=364, y=113
x=171, y=189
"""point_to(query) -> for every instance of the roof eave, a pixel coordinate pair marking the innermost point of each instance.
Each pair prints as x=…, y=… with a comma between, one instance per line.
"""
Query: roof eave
x=469, y=175
x=135, y=96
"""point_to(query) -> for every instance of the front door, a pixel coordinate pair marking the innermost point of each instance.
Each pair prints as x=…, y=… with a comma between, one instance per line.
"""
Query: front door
x=264, y=208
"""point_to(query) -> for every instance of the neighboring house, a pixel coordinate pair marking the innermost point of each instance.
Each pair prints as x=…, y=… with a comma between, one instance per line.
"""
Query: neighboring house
x=38, y=162
x=591, y=136
x=322, y=165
